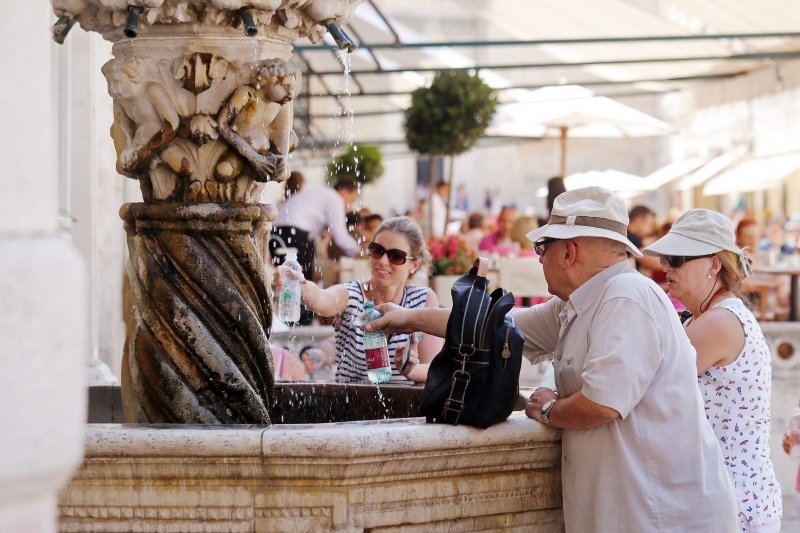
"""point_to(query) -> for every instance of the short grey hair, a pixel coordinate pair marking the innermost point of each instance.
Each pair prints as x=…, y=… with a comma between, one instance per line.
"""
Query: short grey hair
x=412, y=232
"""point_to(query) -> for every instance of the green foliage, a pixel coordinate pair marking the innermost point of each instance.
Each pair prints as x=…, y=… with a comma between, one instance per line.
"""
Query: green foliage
x=362, y=163
x=450, y=116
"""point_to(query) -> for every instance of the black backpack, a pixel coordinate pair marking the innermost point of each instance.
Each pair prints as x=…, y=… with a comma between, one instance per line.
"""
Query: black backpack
x=474, y=380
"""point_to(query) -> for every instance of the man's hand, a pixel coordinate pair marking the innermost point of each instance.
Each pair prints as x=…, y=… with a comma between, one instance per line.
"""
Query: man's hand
x=395, y=319
x=539, y=397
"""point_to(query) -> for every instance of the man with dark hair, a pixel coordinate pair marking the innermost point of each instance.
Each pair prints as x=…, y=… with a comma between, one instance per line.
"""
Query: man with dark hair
x=642, y=219
x=303, y=217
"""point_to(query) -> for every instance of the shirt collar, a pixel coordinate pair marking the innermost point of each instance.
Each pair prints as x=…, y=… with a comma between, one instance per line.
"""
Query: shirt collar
x=585, y=296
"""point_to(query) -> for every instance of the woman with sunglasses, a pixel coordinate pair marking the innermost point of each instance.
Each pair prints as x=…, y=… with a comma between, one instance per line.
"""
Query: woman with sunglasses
x=704, y=270
x=395, y=254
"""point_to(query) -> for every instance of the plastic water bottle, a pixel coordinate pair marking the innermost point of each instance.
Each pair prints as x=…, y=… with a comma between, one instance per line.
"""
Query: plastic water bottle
x=289, y=300
x=379, y=369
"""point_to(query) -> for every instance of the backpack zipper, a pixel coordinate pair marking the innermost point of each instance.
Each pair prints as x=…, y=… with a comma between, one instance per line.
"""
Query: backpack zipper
x=506, y=353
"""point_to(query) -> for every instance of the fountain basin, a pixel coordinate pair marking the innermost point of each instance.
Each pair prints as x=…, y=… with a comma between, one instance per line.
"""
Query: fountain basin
x=382, y=475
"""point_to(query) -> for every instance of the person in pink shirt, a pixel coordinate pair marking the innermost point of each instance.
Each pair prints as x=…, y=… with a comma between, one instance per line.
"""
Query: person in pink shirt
x=499, y=241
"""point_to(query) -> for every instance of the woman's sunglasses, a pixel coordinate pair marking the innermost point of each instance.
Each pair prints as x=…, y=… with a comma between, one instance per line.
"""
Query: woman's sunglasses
x=677, y=261
x=396, y=257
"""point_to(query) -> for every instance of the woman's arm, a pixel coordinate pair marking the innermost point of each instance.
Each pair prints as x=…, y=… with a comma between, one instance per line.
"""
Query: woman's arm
x=717, y=336
x=324, y=302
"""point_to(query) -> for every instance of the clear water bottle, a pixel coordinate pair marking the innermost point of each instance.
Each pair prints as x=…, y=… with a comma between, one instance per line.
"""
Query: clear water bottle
x=379, y=369
x=289, y=299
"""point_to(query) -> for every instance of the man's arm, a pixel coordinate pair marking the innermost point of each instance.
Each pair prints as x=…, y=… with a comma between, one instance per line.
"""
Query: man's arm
x=572, y=412
x=338, y=225
x=396, y=319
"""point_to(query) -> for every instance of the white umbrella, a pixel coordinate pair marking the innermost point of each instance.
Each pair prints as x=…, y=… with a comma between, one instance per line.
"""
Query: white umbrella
x=621, y=182
x=574, y=111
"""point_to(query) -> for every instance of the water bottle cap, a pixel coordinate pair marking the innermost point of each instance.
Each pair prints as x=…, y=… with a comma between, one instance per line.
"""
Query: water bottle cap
x=291, y=255
x=286, y=250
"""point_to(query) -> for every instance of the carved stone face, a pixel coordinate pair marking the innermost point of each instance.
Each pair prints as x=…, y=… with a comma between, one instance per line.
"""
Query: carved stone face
x=282, y=91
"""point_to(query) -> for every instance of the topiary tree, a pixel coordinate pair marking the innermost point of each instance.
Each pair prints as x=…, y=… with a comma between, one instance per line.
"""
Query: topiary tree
x=362, y=163
x=448, y=118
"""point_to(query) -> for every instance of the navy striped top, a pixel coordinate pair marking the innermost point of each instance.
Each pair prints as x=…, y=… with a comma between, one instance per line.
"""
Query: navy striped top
x=351, y=362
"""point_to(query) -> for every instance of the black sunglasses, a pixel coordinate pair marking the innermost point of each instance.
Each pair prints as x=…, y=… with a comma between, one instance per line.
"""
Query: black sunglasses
x=540, y=246
x=396, y=257
x=677, y=261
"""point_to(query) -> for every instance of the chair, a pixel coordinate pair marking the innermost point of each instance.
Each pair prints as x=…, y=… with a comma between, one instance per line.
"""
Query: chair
x=524, y=276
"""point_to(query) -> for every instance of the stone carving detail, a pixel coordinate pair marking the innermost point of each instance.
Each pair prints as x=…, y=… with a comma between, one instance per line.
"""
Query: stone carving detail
x=287, y=19
x=202, y=119
x=196, y=349
x=198, y=128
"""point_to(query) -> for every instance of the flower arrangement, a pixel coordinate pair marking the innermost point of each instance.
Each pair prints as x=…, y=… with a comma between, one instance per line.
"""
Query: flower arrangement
x=452, y=255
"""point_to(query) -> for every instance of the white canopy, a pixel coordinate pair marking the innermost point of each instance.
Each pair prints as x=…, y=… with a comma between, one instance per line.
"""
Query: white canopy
x=753, y=174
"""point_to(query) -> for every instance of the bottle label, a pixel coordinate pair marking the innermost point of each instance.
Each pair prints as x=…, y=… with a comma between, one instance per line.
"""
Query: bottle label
x=377, y=357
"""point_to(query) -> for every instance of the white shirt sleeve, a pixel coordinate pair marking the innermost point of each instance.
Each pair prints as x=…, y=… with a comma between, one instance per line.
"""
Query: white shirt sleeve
x=624, y=355
x=337, y=222
x=540, y=327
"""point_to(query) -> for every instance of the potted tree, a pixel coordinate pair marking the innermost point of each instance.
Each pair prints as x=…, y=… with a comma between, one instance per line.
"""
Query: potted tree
x=362, y=163
x=448, y=118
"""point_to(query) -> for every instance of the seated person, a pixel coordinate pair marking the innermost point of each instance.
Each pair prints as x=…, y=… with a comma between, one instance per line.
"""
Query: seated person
x=396, y=253
x=499, y=241
x=286, y=365
x=521, y=227
x=775, y=288
x=472, y=229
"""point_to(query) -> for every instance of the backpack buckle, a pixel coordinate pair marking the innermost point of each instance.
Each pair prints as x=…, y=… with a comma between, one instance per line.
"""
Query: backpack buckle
x=454, y=405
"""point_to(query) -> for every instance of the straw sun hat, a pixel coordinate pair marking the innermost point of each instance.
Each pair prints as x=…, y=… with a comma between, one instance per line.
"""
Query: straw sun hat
x=699, y=232
x=587, y=212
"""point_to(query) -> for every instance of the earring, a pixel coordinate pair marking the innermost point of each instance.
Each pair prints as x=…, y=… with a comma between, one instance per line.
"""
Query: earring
x=709, y=275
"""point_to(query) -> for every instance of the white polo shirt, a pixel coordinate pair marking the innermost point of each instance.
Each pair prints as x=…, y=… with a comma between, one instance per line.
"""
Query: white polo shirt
x=658, y=468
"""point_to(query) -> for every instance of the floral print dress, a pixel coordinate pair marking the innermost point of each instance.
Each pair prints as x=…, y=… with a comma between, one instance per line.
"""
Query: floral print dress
x=737, y=401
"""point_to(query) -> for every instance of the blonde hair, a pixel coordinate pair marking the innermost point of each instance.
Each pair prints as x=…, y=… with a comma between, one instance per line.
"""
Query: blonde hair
x=730, y=272
x=522, y=226
x=412, y=232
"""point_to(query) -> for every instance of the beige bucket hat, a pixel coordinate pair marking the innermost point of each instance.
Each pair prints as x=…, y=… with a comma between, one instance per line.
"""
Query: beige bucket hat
x=699, y=232
x=587, y=212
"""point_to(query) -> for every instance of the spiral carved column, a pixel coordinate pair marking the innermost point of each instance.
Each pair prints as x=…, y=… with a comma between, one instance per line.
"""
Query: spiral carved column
x=197, y=349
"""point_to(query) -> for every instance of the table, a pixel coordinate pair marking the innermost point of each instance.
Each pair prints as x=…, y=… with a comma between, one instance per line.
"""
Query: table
x=793, y=272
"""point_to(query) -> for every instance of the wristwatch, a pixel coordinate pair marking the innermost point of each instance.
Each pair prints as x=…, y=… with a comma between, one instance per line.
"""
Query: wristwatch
x=546, y=408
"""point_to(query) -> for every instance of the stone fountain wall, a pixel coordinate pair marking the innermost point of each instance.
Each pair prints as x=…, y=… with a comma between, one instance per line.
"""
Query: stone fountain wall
x=393, y=475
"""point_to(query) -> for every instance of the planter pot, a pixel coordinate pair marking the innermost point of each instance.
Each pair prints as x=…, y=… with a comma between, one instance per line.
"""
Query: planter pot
x=441, y=286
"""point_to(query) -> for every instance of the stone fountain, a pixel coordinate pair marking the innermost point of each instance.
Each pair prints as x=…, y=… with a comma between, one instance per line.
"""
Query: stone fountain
x=203, y=94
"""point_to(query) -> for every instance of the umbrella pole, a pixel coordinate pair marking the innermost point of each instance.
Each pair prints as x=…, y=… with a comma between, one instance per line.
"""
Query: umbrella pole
x=563, y=151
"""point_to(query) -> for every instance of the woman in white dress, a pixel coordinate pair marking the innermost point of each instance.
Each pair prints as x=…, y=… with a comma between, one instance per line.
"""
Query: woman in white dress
x=704, y=270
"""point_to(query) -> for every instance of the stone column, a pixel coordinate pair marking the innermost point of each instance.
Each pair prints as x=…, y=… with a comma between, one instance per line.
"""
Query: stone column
x=202, y=120
x=43, y=316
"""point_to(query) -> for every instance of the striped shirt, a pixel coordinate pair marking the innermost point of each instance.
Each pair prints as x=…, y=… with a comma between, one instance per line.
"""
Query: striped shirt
x=351, y=362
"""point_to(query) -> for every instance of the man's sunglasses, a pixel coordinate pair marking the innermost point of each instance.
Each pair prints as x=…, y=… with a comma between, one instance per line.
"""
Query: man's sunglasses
x=677, y=261
x=396, y=257
x=540, y=246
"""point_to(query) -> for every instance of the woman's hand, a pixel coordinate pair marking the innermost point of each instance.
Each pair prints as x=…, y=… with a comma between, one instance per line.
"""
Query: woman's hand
x=283, y=272
x=406, y=357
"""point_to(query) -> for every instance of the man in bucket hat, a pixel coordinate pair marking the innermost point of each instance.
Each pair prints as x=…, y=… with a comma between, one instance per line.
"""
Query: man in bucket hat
x=637, y=451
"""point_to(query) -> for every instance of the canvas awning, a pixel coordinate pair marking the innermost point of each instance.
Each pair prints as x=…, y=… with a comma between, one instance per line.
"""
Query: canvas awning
x=753, y=174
